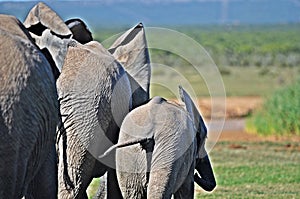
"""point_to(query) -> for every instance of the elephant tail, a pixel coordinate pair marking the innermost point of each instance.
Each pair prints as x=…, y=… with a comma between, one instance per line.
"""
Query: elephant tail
x=125, y=144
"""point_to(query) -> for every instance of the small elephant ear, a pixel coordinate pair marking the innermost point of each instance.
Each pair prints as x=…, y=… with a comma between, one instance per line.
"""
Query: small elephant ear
x=194, y=113
x=131, y=50
x=49, y=32
x=80, y=31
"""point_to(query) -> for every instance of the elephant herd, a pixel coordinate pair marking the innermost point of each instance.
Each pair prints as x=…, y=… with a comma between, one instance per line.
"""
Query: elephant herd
x=72, y=110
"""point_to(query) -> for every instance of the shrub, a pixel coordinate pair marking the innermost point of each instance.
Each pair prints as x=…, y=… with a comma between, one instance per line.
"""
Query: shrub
x=279, y=114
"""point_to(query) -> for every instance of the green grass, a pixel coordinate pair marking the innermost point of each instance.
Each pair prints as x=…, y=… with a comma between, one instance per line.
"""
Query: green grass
x=238, y=81
x=279, y=114
x=93, y=187
x=256, y=170
x=259, y=170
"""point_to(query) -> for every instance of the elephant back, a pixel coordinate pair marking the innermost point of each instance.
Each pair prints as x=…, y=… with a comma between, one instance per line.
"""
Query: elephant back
x=94, y=92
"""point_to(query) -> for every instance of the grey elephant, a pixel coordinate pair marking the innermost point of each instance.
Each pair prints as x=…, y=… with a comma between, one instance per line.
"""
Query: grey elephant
x=95, y=93
x=28, y=116
x=160, y=145
x=50, y=34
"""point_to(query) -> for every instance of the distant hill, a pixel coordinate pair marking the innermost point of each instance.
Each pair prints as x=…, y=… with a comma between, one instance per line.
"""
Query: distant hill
x=168, y=12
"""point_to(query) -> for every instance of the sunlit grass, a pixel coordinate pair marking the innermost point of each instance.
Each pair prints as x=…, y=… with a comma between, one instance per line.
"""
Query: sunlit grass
x=238, y=81
x=257, y=170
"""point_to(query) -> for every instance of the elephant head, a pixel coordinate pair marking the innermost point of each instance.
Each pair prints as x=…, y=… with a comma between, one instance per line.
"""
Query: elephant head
x=80, y=31
x=158, y=150
x=50, y=33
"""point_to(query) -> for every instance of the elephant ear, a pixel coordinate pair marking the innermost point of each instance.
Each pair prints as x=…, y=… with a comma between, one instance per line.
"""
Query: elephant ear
x=194, y=114
x=41, y=17
x=131, y=50
x=80, y=31
x=50, y=33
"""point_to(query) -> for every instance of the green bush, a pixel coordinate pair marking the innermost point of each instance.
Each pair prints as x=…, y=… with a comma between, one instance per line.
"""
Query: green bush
x=280, y=113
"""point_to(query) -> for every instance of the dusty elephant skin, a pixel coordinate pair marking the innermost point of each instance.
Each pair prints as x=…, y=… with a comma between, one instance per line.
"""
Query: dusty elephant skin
x=85, y=89
x=28, y=116
x=95, y=94
x=160, y=146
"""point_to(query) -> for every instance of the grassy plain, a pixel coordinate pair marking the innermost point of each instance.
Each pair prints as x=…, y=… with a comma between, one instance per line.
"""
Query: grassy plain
x=238, y=81
x=253, y=60
x=259, y=169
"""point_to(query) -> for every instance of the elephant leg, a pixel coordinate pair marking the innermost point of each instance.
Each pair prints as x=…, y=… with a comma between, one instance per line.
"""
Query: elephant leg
x=44, y=183
x=207, y=180
x=186, y=191
x=12, y=168
x=101, y=192
x=161, y=184
x=75, y=176
x=113, y=189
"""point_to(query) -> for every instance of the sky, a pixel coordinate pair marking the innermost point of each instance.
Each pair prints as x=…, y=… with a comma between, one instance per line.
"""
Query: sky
x=165, y=12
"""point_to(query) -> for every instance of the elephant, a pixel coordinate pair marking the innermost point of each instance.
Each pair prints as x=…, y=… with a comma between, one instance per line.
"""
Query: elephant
x=52, y=35
x=80, y=31
x=95, y=93
x=28, y=116
x=160, y=145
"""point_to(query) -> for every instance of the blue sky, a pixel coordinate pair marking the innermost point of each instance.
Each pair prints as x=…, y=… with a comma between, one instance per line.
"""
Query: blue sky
x=151, y=12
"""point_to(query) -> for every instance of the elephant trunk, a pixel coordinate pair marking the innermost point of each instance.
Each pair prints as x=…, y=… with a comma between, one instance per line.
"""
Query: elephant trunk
x=207, y=180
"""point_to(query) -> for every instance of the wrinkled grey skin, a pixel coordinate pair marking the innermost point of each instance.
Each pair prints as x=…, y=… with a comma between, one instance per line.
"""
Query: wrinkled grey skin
x=28, y=116
x=95, y=94
x=160, y=146
x=86, y=87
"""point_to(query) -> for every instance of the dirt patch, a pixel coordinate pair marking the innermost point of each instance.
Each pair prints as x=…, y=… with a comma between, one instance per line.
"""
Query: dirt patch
x=251, y=137
x=236, y=107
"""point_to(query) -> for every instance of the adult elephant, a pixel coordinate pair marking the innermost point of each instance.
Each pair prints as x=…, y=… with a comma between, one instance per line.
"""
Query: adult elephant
x=95, y=94
x=160, y=145
x=28, y=116
x=52, y=35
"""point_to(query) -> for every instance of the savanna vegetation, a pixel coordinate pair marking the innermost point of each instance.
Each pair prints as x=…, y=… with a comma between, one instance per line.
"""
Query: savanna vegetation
x=240, y=45
x=279, y=115
x=253, y=60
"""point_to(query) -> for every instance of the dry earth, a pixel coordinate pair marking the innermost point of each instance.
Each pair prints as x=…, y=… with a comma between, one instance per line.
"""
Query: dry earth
x=237, y=108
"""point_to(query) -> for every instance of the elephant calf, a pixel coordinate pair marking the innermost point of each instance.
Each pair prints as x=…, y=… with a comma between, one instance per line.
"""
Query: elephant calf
x=160, y=145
